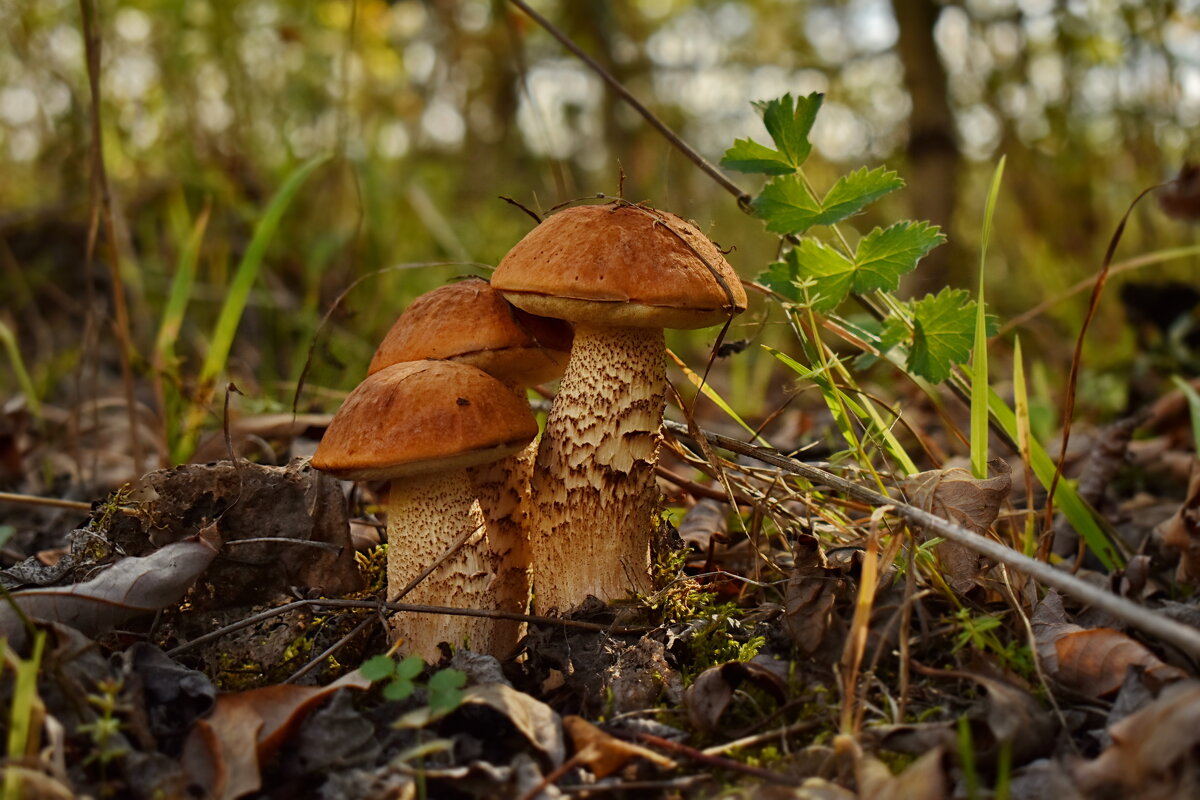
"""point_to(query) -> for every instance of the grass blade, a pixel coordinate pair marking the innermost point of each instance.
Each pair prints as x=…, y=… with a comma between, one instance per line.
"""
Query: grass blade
x=22, y=374
x=979, y=364
x=1193, y=401
x=247, y=271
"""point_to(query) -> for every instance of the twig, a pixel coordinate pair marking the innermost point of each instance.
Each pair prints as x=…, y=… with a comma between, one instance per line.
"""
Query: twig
x=759, y=738
x=683, y=147
x=1184, y=637
x=328, y=651
x=619, y=630
x=333, y=548
x=34, y=500
x=716, y=761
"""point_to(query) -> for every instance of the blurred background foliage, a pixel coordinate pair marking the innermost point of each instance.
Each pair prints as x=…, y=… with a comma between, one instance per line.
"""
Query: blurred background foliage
x=435, y=110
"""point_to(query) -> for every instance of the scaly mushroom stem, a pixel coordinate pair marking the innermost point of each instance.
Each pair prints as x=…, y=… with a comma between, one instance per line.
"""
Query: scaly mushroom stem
x=594, y=495
x=502, y=489
x=426, y=515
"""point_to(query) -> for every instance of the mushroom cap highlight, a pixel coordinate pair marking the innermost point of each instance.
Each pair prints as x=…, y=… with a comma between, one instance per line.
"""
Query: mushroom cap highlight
x=471, y=323
x=620, y=265
x=423, y=416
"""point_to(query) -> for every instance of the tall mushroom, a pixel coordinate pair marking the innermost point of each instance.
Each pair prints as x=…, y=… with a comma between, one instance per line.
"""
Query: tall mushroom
x=621, y=274
x=421, y=425
x=469, y=322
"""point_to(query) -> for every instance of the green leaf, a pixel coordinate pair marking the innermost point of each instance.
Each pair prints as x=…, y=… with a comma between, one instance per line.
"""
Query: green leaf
x=781, y=277
x=445, y=689
x=399, y=689
x=747, y=155
x=410, y=667
x=789, y=123
x=942, y=333
x=377, y=668
x=790, y=208
x=884, y=255
x=831, y=273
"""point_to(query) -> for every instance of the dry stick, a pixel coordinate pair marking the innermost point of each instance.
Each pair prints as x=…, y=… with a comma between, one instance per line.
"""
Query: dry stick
x=102, y=201
x=1184, y=637
x=635, y=104
x=333, y=648
x=410, y=607
x=717, y=761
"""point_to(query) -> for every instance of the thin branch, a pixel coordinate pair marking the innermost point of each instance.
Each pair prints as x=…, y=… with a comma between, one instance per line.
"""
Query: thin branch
x=1184, y=637
x=700, y=161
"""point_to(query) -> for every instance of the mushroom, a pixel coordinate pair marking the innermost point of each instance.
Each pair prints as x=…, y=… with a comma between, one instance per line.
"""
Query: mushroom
x=469, y=322
x=621, y=274
x=421, y=425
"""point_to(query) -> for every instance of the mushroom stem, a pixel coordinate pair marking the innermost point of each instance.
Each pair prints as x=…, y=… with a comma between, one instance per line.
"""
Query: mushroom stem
x=594, y=492
x=502, y=489
x=426, y=515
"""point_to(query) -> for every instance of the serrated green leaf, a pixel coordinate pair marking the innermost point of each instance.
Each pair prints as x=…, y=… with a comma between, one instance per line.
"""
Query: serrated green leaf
x=780, y=277
x=942, y=333
x=377, y=668
x=747, y=155
x=789, y=122
x=790, y=208
x=410, y=667
x=830, y=272
x=894, y=332
x=886, y=254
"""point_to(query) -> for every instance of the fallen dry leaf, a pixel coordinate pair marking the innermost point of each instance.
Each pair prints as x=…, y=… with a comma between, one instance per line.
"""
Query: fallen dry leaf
x=1153, y=751
x=711, y=693
x=224, y=752
x=1090, y=661
x=604, y=754
x=812, y=589
x=1182, y=531
x=957, y=495
x=536, y=721
x=129, y=588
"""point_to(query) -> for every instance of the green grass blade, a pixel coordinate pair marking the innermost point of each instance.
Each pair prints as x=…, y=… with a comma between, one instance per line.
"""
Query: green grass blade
x=22, y=374
x=181, y=291
x=1066, y=498
x=1024, y=436
x=712, y=394
x=1193, y=401
x=979, y=364
x=20, y=718
x=247, y=271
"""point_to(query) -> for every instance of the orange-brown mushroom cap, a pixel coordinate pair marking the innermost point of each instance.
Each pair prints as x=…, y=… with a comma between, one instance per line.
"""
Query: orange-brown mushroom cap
x=620, y=265
x=423, y=416
x=472, y=323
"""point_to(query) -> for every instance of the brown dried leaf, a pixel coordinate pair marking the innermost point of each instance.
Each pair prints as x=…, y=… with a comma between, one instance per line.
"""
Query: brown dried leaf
x=812, y=589
x=224, y=752
x=1153, y=751
x=604, y=754
x=710, y=694
x=703, y=521
x=1180, y=199
x=924, y=778
x=1090, y=661
x=131, y=587
x=536, y=721
x=955, y=494
x=1182, y=531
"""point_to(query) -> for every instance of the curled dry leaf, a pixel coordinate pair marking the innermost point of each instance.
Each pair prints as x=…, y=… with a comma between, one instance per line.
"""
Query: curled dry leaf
x=224, y=752
x=1180, y=199
x=604, y=754
x=711, y=693
x=129, y=588
x=955, y=494
x=1090, y=661
x=812, y=590
x=536, y=721
x=1153, y=751
x=1182, y=531
x=707, y=519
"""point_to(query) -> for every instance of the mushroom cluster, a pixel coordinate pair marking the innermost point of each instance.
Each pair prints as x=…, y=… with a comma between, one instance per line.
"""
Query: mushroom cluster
x=475, y=510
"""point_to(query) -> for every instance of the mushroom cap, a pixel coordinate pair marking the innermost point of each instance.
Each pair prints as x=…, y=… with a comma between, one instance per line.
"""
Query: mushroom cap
x=420, y=417
x=471, y=323
x=620, y=265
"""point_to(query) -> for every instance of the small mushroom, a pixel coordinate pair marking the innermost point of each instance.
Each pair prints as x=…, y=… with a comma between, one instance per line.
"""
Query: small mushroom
x=421, y=425
x=621, y=274
x=469, y=322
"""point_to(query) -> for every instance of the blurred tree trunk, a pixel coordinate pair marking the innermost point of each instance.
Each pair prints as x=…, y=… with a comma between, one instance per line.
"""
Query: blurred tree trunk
x=933, y=154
